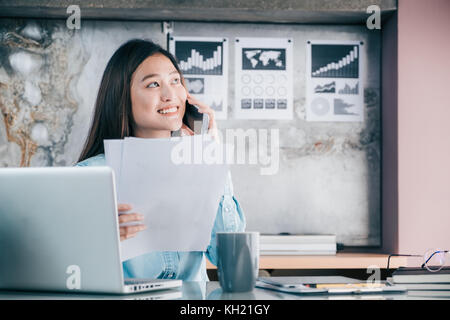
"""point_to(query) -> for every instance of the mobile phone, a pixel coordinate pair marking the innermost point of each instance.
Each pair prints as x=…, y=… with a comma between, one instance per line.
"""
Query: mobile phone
x=196, y=121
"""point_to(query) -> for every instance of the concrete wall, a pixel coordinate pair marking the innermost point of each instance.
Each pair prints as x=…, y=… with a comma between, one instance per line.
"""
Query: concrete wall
x=329, y=177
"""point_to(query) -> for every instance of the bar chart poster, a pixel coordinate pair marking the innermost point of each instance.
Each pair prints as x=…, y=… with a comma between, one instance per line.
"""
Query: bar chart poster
x=204, y=64
x=334, y=76
x=263, y=78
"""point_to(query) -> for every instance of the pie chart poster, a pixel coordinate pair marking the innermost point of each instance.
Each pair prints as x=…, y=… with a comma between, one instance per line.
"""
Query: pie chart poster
x=334, y=81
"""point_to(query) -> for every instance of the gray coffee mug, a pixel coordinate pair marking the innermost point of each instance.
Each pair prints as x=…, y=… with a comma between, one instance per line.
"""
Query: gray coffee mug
x=238, y=260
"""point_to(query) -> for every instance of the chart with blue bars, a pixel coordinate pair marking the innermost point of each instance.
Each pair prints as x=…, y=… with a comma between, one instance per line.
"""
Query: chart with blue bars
x=200, y=57
x=334, y=61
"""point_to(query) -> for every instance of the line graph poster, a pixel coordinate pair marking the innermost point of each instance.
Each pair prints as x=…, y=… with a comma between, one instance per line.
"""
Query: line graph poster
x=334, y=81
x=263, y=78
x=204, y=63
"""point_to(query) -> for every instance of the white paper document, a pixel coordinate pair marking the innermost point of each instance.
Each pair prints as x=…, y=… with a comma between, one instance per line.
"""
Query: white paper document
x=167, y=182
x=113, y=157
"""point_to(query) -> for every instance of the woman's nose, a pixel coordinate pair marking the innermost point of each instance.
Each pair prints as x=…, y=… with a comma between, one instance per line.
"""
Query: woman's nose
x=167, y=93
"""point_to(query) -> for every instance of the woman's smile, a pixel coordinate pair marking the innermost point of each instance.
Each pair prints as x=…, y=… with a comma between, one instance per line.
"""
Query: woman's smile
x=169, y=112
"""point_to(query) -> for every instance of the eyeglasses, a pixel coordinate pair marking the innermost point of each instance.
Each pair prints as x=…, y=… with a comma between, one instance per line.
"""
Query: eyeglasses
x=434, y=259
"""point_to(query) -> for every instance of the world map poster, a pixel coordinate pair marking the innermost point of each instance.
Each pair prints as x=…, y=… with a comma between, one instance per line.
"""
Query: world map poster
x=263, y=78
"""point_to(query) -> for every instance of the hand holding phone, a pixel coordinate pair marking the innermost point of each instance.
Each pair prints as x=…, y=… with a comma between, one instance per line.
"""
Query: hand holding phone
x=195, y=120
x=208, y=119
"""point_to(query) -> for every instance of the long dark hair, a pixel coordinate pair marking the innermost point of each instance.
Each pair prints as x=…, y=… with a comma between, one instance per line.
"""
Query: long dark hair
x=113, y=118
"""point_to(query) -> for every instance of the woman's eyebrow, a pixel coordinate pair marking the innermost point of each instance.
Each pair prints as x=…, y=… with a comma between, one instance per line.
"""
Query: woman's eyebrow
x=151, y=75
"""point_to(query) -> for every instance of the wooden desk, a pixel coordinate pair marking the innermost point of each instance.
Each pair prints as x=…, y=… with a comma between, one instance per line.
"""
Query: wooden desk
x=338, y=261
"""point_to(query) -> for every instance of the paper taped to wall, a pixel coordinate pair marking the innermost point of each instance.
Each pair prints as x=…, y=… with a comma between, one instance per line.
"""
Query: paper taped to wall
x=334, y=74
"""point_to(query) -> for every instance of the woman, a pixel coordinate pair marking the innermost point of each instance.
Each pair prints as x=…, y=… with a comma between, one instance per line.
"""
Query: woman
x=142, y=94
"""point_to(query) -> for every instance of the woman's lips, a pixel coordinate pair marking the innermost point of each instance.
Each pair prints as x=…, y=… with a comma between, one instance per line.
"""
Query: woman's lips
x=169, y=111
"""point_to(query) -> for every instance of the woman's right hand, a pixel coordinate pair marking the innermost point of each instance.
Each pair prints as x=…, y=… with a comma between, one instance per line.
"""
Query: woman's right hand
x=127, y=232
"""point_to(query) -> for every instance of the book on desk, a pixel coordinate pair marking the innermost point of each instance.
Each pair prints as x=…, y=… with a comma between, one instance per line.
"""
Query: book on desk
x=419, y=279
x=421, y=275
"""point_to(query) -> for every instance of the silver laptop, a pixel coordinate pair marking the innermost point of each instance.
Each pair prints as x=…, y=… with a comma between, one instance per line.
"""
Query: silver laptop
x=59, y=231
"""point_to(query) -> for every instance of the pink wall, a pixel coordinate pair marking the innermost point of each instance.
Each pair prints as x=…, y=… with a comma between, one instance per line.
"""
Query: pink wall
x=423, y=125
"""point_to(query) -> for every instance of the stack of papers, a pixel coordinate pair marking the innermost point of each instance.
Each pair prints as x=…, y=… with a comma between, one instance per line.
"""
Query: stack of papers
x=178, y=195
x=298, y=244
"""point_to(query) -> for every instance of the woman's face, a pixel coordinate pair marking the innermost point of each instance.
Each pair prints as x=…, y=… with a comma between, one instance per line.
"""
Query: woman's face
x=158, y=98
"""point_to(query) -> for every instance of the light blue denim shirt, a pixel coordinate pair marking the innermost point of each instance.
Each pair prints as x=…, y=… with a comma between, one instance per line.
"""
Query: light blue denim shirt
x=190, y=266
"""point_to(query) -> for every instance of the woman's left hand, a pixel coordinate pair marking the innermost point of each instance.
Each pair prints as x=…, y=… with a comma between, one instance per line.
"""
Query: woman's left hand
x=203, y=108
